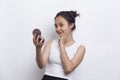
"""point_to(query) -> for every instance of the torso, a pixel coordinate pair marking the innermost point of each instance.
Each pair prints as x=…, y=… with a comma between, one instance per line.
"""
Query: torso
x=54, y=66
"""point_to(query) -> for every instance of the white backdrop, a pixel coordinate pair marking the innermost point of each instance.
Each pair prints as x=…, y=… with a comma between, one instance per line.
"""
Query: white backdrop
x=98, y=29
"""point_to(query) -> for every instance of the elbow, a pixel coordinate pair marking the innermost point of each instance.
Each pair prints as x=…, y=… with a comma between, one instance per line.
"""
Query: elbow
x=40, y=66
x=68, y=70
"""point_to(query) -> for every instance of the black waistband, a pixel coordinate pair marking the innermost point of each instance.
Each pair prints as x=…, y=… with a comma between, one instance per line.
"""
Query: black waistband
x=48, y=77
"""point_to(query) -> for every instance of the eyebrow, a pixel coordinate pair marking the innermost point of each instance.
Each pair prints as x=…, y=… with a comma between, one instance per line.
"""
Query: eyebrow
x=59, y=23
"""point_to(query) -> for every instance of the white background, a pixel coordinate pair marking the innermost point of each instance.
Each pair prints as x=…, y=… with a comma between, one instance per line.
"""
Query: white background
x=98, y=28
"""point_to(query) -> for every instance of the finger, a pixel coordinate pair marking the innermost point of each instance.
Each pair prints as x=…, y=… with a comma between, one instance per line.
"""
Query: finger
x=42, y=40
x=34, y=38
x=38, y=37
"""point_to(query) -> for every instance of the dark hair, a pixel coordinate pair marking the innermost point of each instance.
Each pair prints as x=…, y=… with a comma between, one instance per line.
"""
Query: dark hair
x=69, y=16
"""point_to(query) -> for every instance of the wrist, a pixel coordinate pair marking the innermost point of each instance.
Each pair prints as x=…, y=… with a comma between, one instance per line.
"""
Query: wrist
x=38, y=49
x=62, y=48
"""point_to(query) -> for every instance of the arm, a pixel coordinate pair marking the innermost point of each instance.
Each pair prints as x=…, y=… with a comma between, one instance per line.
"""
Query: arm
x=41, y=56
x=70, y=65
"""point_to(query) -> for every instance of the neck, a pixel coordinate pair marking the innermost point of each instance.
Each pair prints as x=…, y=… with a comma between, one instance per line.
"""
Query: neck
x=69, y=40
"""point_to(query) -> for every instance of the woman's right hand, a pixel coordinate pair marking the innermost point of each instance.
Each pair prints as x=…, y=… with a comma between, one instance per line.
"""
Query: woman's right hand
x=38, y=43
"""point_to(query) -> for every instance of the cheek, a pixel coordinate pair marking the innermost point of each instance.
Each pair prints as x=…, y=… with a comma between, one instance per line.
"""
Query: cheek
x=64, y=28
x=67, y=29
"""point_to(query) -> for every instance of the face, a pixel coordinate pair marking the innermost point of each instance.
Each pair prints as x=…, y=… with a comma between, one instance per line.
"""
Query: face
x=61, y=26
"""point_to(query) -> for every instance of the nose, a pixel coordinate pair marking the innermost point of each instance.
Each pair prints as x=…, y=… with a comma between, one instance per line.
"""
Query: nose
x=57, y=28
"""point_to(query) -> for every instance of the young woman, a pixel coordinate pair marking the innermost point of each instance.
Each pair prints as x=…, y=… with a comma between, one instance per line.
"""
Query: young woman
x=60, y=56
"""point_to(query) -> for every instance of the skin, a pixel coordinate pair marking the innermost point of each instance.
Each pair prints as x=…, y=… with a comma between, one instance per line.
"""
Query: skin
x=63, y=29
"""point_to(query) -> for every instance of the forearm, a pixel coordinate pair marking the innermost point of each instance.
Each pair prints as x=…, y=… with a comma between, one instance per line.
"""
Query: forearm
x=39, y=58
x=67, y=63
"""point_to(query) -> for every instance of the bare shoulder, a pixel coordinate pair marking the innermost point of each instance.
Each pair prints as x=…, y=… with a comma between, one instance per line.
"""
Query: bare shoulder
x=48, y=43
x=81, y=49
x=47, y=46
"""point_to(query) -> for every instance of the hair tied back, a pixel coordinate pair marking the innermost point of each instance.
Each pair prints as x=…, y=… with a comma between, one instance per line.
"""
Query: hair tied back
x=74, y=13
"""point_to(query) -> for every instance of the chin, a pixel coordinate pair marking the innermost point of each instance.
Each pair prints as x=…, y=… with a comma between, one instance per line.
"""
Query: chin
x=60, y=35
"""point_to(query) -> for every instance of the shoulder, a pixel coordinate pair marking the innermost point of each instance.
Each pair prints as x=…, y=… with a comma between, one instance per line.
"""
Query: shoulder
x=53, y=41
x=81, y=49
x=48, y=43
x=80, y=46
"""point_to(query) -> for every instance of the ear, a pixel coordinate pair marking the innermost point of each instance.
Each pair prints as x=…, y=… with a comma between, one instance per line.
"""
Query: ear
x=71, y=25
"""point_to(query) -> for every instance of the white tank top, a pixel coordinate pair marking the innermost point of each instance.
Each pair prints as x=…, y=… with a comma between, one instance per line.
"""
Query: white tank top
x=54, y=66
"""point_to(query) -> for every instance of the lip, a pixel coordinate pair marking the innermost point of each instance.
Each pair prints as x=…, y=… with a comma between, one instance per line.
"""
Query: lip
x=60, y=33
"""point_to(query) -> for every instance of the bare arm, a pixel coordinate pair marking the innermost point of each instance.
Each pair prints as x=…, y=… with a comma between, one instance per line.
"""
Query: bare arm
x=70, y=65
x=41, y=56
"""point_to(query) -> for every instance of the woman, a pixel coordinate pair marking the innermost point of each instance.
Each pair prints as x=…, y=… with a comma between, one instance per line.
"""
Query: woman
x=60, y=56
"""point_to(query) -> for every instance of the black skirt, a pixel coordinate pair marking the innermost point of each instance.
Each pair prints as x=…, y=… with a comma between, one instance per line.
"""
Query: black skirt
x=47, y=77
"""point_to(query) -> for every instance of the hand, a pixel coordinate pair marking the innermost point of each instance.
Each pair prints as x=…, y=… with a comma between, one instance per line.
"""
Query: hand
x=38, y=41
x=64, y=38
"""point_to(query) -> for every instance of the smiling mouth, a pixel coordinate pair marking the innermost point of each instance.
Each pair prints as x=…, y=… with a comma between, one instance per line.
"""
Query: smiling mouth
x=60, y=33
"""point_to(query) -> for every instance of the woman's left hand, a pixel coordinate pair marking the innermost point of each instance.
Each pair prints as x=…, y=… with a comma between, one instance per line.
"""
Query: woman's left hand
x=64, y=38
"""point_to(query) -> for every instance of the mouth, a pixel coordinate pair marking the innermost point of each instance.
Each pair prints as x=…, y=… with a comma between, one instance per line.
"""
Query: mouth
x=60, y=33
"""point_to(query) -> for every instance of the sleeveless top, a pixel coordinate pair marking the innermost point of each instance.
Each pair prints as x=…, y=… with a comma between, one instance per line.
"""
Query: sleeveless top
x=54, y=65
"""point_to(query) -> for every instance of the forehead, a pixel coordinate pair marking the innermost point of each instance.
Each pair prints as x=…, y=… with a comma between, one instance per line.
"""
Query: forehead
x=60, y=19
